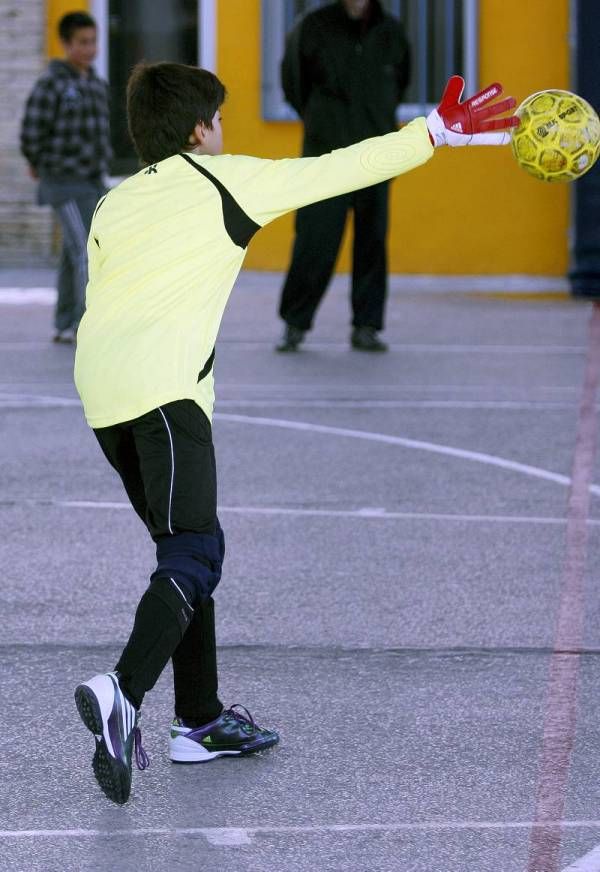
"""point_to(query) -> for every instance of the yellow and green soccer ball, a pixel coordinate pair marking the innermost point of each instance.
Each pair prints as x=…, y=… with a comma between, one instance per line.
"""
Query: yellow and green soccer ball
x=558, y=139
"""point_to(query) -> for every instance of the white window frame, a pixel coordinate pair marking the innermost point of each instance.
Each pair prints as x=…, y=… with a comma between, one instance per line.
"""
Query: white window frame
x=273, y=27
x=99, y=11
x=207, y=28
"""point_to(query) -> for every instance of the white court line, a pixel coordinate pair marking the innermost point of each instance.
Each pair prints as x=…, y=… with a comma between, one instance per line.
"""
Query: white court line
x=408, y=347
x=368, y=513
x=334, y=345
x=36, y=401
x=228, y=835
x=434, y=448
x=510, y=405
x=26, y=344
x=589, y=863
x=312, y=388
x=23, y=401
x=383, y=515
x=414, y=348
x=32, y=382
x=27, y=296
x=399, y=283
x=83, y=504
x=498, y=283
x=417, y=444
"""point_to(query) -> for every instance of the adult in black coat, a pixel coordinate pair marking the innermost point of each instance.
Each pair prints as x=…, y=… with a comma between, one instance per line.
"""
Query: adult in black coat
x=344, y=71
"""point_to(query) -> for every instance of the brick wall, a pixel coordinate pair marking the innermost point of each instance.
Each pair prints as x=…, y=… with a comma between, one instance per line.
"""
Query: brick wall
x=26, y=230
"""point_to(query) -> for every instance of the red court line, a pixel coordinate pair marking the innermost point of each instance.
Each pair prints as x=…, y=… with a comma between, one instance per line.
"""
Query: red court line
x=561, y=705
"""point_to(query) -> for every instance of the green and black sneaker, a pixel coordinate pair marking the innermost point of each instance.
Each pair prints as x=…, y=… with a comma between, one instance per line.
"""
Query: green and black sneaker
x=233, y=733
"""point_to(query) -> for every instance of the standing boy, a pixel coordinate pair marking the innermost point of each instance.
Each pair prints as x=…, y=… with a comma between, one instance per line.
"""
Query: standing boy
x=65, y=139
x=164, y=250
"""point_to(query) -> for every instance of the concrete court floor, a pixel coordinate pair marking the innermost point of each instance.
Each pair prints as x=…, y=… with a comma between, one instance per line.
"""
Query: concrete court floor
x=391, y=609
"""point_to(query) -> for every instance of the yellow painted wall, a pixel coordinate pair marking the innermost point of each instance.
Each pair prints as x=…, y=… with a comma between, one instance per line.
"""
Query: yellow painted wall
x=55, y=9
x=466, y=211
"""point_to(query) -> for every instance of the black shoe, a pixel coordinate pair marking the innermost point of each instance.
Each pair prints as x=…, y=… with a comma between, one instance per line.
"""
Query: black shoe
x=366, y=339
x=231, y=734
x=292, y=338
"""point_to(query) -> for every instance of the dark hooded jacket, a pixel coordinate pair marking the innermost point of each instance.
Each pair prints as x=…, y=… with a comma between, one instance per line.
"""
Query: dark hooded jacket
x=345, y=77
x=65, y=129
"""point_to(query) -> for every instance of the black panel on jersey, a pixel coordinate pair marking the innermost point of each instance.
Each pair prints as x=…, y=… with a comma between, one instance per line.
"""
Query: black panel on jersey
x=100, y=202
x=207, y=366
x=239, y=226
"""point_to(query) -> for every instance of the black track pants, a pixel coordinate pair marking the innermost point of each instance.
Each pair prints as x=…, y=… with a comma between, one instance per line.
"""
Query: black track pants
x=319, y=230
x=166, y=462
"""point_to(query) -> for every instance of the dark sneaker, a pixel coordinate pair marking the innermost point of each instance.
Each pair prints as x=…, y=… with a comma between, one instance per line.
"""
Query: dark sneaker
x=292, y=337
x=233, y=733
x=113, y=720
x=366, y=339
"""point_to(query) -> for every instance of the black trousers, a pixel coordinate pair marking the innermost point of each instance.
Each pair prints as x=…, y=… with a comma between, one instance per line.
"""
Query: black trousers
x=319, y=230
x=166, y=462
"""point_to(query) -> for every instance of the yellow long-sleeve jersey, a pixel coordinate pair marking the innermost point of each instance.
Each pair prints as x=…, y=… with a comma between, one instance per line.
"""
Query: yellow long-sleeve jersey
x=165, y=248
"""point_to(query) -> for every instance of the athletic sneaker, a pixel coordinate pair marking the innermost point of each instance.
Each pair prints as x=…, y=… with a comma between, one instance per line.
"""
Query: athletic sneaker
x=231, y=734
x=108, y=714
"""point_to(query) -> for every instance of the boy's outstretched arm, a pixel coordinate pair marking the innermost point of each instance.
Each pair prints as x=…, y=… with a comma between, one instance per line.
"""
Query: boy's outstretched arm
x=266, y=189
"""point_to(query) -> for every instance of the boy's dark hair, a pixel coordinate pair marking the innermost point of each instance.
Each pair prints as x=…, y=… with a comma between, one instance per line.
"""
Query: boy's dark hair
x=164, y=104
x=71, y=22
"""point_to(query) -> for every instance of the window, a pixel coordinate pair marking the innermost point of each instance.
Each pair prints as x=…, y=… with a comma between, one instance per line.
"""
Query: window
x=130, y=31
x=442, y=33
x=137, y=31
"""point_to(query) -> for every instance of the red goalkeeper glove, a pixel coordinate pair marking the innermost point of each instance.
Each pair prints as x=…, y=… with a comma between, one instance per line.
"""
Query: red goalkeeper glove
x=473, y=122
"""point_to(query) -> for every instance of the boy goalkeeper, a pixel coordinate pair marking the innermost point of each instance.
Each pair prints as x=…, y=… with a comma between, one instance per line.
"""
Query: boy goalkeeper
x=164, y=250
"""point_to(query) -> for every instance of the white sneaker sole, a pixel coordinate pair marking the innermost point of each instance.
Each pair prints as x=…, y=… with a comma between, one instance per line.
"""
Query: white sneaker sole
x=182, y=750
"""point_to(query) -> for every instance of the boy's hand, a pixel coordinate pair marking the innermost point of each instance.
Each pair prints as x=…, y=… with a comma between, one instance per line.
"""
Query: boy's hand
x=472, y=122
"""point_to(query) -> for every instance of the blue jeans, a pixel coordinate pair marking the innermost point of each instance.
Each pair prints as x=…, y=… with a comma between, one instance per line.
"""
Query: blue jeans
x=73, y=203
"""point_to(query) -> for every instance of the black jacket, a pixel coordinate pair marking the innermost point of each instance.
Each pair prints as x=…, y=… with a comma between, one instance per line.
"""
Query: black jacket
x=344, y=77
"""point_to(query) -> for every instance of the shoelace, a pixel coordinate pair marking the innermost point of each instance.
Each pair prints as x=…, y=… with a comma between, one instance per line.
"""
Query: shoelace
x=246, y=721
x=142, y=761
